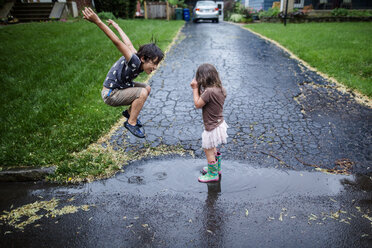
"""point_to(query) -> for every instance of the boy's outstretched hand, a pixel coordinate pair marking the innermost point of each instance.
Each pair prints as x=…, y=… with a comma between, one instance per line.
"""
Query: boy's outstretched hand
x=90, y=15
x=194, y=84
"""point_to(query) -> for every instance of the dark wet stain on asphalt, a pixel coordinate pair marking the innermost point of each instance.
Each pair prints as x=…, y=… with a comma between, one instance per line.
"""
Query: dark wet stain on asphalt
x=274, y=106
x=159, y=203
x=284, y=120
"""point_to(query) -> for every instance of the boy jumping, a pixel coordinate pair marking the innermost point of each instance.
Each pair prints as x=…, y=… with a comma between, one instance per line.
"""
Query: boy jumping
x=118, y=87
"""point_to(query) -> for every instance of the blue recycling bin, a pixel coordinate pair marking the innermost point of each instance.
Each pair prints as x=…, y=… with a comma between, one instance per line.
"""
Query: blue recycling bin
x=186, y=14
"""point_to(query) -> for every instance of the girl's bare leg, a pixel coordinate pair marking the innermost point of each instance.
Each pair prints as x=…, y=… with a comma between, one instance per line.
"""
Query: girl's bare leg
x=210, y=154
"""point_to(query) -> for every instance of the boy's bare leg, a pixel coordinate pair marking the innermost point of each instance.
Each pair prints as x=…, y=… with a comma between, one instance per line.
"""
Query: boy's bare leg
x=148, y=88
x=210, y=154
x=136, y=107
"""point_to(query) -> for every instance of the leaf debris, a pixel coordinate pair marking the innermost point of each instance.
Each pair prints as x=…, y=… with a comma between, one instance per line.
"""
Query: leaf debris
x=16, y=217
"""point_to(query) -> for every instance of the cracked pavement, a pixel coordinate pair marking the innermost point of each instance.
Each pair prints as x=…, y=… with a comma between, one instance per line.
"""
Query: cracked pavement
x=280, y=115
x=279, y=112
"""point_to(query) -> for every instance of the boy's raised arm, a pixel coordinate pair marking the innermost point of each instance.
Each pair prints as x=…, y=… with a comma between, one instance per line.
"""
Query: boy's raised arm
x=121, y=46
x=123, y=36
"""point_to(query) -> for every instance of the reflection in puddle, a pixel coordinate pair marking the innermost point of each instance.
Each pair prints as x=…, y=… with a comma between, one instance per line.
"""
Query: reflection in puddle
x=180, y=175
x=240, y=181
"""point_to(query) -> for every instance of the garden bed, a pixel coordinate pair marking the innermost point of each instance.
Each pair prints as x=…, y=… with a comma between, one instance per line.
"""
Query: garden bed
x=319, y=19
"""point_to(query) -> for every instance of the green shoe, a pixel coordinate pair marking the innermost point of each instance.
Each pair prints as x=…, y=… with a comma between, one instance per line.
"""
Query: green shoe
x=212, y=174
x=218, y=159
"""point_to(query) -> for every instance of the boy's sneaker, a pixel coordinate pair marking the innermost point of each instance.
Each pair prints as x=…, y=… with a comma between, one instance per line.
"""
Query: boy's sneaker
x=135, y=130
x=126, y=115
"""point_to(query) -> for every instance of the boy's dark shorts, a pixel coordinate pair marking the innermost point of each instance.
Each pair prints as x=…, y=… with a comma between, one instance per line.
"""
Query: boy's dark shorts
x=123, y=97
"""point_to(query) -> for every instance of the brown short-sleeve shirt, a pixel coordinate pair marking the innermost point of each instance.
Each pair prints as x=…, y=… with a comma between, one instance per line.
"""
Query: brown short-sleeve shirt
x=214, y=99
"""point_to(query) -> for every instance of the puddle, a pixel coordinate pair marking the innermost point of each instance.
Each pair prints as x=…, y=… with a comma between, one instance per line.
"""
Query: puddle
x=248, y=204
x=180, y=175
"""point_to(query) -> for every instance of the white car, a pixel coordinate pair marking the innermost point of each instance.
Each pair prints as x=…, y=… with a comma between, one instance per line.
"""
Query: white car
x=205, y=10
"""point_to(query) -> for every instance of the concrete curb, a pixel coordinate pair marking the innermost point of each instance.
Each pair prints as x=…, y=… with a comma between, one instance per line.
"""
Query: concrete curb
x=22, y=175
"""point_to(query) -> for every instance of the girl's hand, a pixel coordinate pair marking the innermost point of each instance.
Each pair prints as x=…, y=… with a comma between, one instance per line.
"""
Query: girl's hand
x=90, y=15
x=194, y=84
x=111, y=22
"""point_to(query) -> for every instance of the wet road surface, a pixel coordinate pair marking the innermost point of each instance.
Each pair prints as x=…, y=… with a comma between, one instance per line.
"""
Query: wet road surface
x=159, y=203
x=284, y=121
x=274, y=105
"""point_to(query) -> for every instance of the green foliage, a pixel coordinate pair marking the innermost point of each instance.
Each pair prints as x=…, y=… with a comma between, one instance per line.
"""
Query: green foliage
x=120, y=8
x=340, y=12
x=272, y=12
x=236, y=12
x=332, y=48
x=360, y=13
x=52, y=106
x=106, y=15
x=229, y=6
x=179, y=3
x=236, y=18
x=83, y=166
x=352, y=13
x=240, y=18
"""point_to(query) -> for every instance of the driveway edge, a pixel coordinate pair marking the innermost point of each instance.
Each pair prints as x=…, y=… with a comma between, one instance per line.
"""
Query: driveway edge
x=38, y=174
x=359, y=97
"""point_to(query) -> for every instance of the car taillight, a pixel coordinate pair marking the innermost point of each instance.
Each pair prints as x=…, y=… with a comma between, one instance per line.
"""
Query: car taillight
x=216, y=9
x=197, y=9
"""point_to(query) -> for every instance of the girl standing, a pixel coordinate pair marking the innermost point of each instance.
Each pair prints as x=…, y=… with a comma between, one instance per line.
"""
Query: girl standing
x=210, y=96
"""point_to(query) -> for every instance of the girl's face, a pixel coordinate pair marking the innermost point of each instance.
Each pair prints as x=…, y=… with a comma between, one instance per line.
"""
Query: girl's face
x=149, y=65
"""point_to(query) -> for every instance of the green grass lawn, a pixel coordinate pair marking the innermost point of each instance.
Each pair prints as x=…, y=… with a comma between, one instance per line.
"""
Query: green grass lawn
x=341, y=50
x=51, y=79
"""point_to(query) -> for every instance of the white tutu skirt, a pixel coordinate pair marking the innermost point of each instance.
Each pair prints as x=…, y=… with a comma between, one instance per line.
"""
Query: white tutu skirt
x=217, y=136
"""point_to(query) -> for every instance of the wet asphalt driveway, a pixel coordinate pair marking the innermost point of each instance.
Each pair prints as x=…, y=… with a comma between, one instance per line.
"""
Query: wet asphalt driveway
x=286, y=122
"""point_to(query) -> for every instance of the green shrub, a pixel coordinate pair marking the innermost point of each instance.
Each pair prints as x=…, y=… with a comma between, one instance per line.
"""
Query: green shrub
x=106, y=15
x=340, y=12
x=179, y=3
x=359, y=13
x=120, y=8
x=229, y=6
x=236, y=18
x=272, y=12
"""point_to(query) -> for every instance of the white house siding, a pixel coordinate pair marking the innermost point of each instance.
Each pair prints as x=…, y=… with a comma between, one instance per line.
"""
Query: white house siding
x=261, y=4
x=245, y=2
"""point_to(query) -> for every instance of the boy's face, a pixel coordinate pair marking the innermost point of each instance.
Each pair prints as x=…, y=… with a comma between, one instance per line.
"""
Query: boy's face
x=149, y=65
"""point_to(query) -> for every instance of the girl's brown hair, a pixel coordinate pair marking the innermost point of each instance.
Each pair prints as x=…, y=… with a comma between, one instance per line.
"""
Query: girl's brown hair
x=207, y=76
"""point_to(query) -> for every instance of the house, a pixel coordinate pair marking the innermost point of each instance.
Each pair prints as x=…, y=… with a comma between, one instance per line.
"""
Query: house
x=317, y=4
x=258, y=4
x=333, y=4
x=12, y=11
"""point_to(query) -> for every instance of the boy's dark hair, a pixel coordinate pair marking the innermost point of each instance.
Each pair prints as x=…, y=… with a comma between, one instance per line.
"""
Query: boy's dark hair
x=150, y=52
